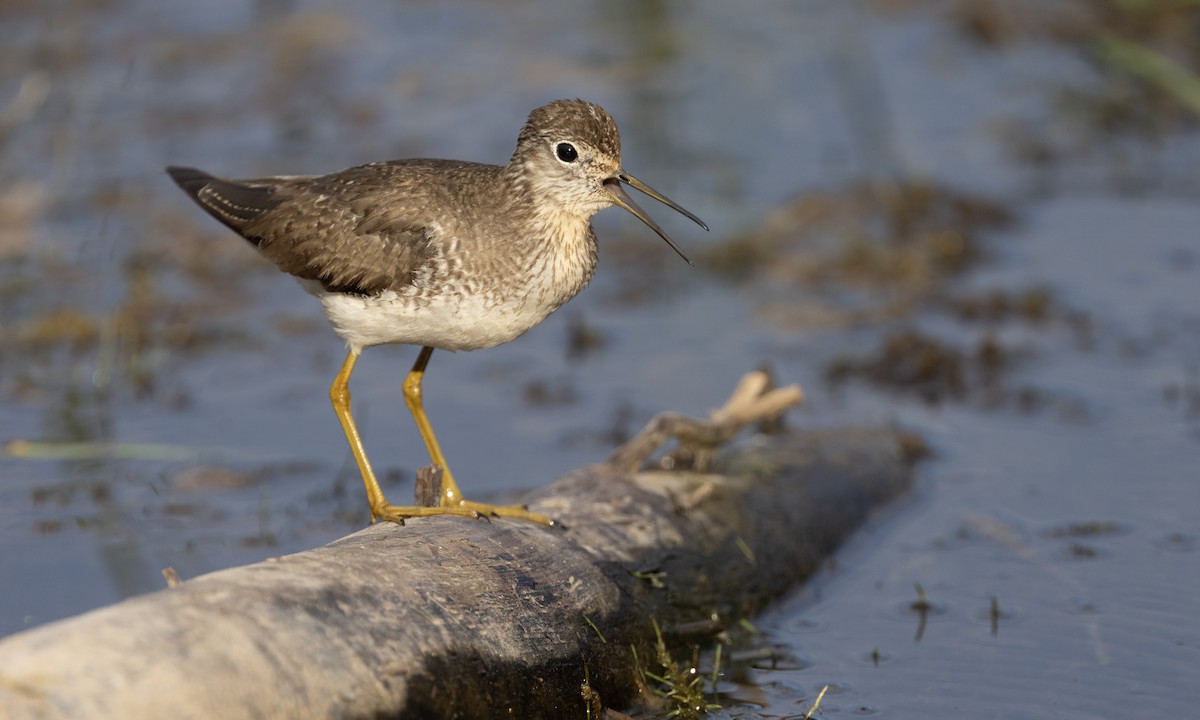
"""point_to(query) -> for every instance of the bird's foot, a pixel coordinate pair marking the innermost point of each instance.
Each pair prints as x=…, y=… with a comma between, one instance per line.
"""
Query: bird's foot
x=520, y=512
x=480, y=511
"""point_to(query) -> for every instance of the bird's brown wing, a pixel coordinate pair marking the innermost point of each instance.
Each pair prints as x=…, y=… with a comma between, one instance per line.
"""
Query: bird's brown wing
x=346, y=230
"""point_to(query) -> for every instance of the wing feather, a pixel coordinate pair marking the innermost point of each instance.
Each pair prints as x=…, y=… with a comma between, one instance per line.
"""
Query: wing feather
x=361, y=230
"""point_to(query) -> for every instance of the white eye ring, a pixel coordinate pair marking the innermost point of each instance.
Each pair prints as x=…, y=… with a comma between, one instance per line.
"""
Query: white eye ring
x=566, y=152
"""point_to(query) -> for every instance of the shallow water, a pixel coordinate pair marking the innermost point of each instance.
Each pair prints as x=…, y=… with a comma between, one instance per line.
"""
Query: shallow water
x=1075, y=511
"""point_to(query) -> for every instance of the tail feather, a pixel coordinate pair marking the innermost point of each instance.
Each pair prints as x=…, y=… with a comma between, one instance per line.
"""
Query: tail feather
x=234, y=203
x=190, y=180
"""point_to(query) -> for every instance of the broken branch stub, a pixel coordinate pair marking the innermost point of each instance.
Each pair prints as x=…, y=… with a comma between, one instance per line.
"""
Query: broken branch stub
x=752, y=401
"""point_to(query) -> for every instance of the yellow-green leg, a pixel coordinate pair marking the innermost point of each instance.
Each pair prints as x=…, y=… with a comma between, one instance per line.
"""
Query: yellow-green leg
x=412, y=397
x=452, y=502
x=452, y=499
x=381, y=509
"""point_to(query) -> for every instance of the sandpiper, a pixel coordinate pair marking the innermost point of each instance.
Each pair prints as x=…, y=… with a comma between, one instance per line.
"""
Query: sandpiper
x=439, y=253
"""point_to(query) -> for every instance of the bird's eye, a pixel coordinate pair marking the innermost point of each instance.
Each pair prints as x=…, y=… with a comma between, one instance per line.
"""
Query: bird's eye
x=566, y=152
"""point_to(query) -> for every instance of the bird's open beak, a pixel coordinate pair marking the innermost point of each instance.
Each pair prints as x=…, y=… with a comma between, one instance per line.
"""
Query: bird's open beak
x=622, y=199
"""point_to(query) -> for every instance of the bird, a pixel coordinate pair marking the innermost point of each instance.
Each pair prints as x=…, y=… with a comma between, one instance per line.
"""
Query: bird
x=441, y=254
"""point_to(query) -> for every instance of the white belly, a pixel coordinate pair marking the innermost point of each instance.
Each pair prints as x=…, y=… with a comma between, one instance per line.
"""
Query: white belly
x=455, y=322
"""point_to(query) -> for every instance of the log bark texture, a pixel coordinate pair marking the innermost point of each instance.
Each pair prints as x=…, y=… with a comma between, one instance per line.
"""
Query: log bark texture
x=451, y=617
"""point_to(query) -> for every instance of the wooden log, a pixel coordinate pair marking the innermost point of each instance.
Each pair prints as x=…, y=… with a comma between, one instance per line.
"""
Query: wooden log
x=451, y=617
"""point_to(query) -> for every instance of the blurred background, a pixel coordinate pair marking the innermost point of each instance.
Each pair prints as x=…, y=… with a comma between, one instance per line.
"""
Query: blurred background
x=976, y=219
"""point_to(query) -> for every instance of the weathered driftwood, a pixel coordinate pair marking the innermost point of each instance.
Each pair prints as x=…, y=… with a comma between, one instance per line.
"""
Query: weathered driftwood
x=448, y=617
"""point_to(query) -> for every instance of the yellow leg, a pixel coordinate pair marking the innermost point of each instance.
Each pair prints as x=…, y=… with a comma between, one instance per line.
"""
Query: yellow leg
x=381, y=509
x=452, y=499
x=412, y=398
